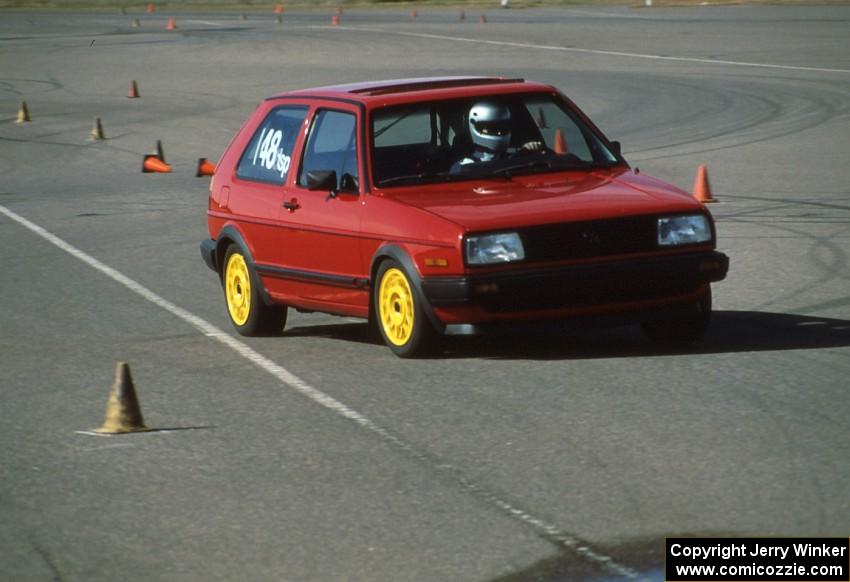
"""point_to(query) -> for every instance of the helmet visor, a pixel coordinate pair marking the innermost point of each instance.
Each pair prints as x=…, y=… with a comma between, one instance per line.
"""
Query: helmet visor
x=500, y=127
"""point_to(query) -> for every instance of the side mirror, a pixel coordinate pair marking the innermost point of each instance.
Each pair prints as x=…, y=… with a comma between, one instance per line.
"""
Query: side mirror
x=349, y=184
x=618, y=149
x=322, y=180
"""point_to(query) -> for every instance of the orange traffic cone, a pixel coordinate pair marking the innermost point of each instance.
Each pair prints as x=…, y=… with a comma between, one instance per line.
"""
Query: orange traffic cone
x=150, y=8
x=702, y=189
x=133, y=91
x=335, y=20
x=278, y=9
x=414, y=13
x=482, y=19
x=23, y=114
x=560, y=143
x=123, y=413
x=205, y=168
x=97, y=131
x=156, y=162
x=172, y=25
x=153, y=164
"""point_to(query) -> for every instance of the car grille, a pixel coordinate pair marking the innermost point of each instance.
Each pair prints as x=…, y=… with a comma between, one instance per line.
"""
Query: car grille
x=587, y=288
x=595, y=238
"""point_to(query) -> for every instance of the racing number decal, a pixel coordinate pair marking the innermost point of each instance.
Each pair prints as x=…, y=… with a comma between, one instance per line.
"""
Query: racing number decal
x=267, y=157
x=270, y=154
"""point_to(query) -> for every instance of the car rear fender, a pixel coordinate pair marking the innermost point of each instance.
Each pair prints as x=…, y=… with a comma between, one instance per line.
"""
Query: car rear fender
x=227, y=236
x=397, y=253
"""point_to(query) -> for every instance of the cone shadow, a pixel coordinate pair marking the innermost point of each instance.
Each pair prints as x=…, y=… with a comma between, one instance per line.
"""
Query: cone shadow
x=145, y=431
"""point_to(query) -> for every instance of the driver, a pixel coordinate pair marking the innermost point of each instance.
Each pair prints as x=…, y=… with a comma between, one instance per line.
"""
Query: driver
x=490, y=130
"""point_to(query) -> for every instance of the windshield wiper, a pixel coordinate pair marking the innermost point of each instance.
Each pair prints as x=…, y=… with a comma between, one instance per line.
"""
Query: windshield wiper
x=423, y=177
x=552, y=163
x=478, y=171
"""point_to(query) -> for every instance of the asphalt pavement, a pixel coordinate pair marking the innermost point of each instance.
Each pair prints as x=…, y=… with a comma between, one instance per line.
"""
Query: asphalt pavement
x=318, y=455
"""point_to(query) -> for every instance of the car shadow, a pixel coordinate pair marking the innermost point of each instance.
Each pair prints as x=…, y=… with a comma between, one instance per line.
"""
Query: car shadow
x=351, y=332
x=730, y=332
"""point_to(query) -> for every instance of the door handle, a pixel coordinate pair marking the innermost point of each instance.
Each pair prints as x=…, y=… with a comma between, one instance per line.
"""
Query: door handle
x=292, y=205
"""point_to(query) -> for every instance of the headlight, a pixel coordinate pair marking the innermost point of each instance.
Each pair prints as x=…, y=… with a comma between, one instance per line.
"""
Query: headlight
x=487, y=249
x=683, y=230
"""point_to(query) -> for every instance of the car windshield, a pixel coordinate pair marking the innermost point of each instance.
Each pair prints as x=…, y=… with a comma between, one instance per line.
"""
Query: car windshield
x=484, y=137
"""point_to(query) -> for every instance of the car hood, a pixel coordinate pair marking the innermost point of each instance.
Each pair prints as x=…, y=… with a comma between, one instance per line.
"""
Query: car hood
x=544, y=199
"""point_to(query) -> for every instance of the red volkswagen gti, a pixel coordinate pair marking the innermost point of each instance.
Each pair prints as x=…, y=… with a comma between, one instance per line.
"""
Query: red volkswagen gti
x=448, y=206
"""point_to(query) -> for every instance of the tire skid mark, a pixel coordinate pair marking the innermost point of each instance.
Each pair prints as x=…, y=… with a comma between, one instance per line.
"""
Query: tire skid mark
x=48, y=560
x=786, y=112
x=546, y=530
x=833, y=269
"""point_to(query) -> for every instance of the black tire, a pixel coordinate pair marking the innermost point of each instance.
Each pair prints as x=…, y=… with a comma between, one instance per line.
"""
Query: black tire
x=399, y=314
x=248, y=312
x=683, y=328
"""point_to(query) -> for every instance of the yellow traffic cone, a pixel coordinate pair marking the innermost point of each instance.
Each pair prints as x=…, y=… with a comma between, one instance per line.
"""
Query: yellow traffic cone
x=23, y=113
x=97, y=131
x=123, y=413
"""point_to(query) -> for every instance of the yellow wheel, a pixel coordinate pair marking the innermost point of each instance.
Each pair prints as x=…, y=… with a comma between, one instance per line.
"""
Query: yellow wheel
x=396, y=307
x=237, y=289
x=399, y=314
x=246, y=306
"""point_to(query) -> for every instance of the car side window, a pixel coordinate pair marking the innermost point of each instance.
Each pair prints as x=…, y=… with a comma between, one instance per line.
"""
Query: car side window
x=332, y=145
x=268, y=155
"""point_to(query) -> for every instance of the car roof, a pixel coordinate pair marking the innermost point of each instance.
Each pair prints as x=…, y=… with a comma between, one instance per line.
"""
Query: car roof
x=394, y=91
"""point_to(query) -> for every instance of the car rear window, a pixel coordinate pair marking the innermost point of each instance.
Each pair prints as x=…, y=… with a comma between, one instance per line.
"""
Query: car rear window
x=268, y=156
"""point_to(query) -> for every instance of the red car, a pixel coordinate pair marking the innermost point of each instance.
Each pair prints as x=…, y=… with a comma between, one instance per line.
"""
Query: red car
x=448, y=205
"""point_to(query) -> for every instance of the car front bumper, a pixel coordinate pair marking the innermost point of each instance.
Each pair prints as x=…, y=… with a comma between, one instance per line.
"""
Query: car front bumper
x=585, y=288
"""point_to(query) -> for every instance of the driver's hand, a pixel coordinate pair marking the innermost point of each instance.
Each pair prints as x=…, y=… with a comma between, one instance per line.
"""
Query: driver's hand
x=533, y=146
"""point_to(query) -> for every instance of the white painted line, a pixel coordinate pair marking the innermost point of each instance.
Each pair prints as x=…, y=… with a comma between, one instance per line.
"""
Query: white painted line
x=207, y=22
x=544, y=47
x=287, y=378
x=617, y=15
